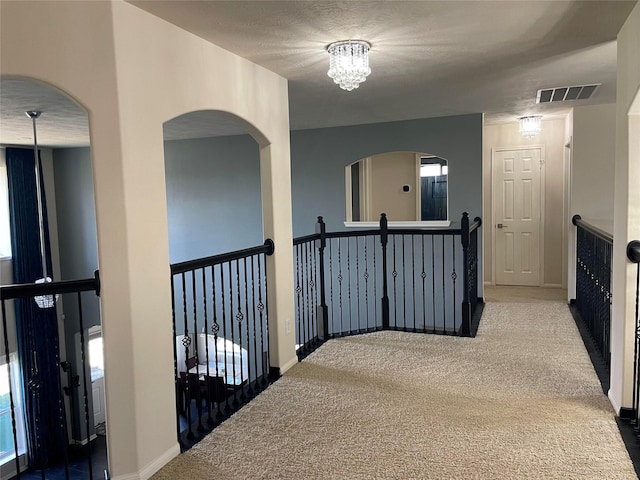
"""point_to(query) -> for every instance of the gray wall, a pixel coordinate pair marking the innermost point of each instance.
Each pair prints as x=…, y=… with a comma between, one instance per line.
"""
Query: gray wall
x=78, y=250
x=320, y=155
x=214, y=202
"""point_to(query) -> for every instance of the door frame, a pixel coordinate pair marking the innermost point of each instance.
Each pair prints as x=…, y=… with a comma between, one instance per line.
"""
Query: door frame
x=542, y=178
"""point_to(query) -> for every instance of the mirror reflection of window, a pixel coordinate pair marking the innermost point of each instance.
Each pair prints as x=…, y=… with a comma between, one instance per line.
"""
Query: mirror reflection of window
x=407, y=186
x=433, y=188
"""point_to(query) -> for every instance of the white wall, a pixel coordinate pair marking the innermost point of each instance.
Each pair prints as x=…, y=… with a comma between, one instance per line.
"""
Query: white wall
x=627, y=211
x=130, y=83
x=552, y=139
x=592, y=174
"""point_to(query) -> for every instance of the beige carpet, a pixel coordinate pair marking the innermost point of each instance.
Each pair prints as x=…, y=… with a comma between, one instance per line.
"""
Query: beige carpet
x=519, y=401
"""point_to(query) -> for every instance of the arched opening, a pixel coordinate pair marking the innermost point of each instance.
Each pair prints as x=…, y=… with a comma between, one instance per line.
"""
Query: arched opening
x=216, y=240
x=51, y=361
x=407, y=186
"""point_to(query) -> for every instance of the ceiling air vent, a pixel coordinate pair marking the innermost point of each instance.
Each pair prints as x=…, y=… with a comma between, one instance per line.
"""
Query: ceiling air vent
x=563, y=94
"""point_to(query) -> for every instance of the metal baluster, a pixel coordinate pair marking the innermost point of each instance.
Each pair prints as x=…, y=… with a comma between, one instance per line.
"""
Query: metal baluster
x=83, y=358
x=358, y=283
x=195, y=334
x=454, y=275
x=394, y=273
x=186, y=343
x=366, y=284
x=207, y=383
x=266, y=300
x=233, y=338
x=404, y=286
x=300, y=327
x=433, y=284
x=315, y=300
x=261, y=309
x=177, y=388
x=375, y=285
x=11, y=402
x=307, y=296
x=240, y=318
x=423, y=275
x=246, y=309
x=413, y=279
x=444, y=293
x=340, y=286
x=227, y=406
x=331, y=285
x=255, y=337
x=351, y=330
x=215, y=328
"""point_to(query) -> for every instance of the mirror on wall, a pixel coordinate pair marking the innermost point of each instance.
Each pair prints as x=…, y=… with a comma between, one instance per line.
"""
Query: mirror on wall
x=407, y=186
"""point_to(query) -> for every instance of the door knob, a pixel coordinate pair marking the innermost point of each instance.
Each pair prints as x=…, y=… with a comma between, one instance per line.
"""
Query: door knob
x=500, y=225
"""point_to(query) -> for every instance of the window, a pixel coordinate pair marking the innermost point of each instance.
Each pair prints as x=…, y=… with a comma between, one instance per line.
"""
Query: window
x=7, y=447
x=5, y=236
x=96, y=359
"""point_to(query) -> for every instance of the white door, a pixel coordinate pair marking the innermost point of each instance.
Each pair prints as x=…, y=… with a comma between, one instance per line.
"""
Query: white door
x=97, y=387
x=516, y=207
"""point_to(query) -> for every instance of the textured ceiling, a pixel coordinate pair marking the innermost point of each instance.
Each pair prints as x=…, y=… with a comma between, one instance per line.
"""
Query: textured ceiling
x=428, y=59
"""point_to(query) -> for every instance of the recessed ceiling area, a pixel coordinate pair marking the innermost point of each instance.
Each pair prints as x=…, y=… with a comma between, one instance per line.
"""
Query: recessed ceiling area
x=428, y=59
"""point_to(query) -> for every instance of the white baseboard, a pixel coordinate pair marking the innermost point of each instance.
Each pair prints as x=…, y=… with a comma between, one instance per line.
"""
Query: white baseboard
x=288, y=365
x=84, y=441
x=615, y=405
x=147, y=472
x=552, y=285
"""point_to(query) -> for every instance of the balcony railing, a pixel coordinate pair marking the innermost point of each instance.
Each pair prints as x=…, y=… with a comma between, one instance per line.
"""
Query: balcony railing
x=221, y=350
x=411, y=280
x=45, y=425
x=592, y=306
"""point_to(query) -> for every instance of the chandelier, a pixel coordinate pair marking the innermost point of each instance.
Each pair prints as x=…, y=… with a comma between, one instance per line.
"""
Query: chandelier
x=349, y=63
x=530, y=126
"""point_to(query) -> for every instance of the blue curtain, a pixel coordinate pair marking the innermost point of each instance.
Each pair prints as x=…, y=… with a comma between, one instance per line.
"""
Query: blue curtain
x=37, y=329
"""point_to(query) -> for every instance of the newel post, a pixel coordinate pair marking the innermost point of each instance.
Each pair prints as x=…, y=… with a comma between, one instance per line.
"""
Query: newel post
x=384, y=238
x=465, y=327
x=323, y=311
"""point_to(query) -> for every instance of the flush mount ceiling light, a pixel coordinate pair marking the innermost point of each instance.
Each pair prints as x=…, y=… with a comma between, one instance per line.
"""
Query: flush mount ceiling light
x=530, y=126
x=349, y=63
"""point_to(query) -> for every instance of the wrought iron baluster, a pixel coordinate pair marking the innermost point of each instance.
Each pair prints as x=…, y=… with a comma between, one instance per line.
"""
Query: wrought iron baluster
x=423, y=276
x=433, y=283
x=195, y=334
x=233, y=337
x=444, y=293
x=85, y=381
x=349, y=286
x=215, y=329
x=247, y=312
x=266, y=323
x=300, y=322
x=12, y=406
x=413, y=279
x=454, y=275
x=366, y=284
x=394, y=274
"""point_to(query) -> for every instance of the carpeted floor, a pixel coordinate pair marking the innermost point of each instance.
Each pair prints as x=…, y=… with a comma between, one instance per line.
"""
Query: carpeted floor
x=521, y=400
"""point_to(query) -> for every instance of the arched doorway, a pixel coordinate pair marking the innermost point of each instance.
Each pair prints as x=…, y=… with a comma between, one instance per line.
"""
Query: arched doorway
x=62, y=380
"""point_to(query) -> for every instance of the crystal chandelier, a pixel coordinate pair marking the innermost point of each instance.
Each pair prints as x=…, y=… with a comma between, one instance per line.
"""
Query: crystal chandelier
x=349, y=63
x=530, y=126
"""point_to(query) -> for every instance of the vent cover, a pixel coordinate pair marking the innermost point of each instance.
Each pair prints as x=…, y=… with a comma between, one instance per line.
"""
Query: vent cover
x=564, y=94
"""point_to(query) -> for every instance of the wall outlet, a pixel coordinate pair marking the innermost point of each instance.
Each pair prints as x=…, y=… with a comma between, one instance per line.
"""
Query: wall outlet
x=287, y=326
